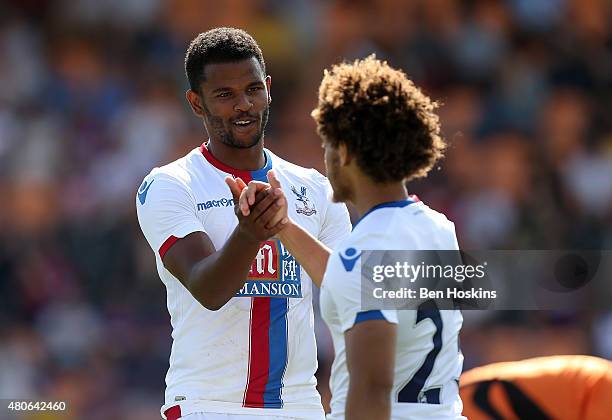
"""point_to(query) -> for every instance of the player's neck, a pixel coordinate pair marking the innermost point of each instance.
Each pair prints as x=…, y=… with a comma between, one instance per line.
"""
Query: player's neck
x=370, y=194
x=250, y=159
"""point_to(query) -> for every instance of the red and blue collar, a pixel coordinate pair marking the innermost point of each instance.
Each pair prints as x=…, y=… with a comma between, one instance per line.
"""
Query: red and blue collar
x=246, y=176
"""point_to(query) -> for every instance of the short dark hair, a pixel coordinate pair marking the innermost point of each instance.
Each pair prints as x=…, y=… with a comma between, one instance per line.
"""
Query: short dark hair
x=219, y=45
x=384, y=120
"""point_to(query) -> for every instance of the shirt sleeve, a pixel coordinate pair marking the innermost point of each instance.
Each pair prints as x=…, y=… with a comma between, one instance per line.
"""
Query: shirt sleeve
x=166, y=212
x=344, y=285
x=336, y=222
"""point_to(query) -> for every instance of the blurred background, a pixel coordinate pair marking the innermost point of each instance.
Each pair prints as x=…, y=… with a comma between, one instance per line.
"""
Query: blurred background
x=92, y=97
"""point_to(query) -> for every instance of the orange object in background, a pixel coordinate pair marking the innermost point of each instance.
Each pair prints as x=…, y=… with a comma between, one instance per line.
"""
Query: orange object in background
x=553, y=387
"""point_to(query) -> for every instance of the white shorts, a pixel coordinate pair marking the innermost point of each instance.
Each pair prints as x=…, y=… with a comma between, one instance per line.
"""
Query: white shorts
x=220, y=416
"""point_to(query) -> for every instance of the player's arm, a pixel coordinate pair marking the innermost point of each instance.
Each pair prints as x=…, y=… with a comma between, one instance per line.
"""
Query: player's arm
x=311, y=253
x=214, y=276
x=370, y=359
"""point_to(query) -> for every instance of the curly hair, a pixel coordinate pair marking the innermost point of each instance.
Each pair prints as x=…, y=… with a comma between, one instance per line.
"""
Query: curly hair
x=384, y=120
x=219, y=45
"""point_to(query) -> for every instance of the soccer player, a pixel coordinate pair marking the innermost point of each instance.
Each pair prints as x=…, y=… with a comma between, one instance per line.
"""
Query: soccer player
x=542, y=388
x=240, y=305
x=379, y=131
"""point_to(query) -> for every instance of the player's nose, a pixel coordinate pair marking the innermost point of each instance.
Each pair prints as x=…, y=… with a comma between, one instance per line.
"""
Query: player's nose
x=243, y=104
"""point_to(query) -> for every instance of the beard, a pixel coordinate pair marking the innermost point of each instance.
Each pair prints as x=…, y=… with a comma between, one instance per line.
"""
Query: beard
x=227, y=137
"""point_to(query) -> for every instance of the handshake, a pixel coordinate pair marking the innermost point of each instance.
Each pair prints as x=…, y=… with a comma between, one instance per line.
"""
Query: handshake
x=261, y=207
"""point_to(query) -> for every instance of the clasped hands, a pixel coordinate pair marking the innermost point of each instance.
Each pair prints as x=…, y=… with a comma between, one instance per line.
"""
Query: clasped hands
x=261, y=207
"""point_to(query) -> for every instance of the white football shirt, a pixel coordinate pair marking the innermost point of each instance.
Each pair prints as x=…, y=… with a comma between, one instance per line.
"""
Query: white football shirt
x=256, y=354
x=428, y=361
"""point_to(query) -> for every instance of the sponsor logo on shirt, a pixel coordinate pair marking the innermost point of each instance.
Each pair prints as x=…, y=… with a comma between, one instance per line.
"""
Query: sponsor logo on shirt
x=349, y=257
x=144, y=190
x=303, y=205
x=223, y=202
x=274, y=273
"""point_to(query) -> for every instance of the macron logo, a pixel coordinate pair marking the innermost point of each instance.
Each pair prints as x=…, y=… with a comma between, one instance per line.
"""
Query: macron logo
x=143, y=190
x=223, y=202
x=349, y=257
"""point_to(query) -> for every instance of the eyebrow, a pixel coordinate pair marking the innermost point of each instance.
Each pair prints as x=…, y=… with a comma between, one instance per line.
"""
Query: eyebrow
x=223, y=89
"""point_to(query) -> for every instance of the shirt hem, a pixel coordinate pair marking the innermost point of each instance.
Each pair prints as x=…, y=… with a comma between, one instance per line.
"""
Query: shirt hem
x=289, y=410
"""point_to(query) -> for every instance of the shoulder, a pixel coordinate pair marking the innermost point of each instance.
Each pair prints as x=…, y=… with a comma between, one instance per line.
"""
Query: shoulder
x=417, y=217
x=412, y=226
x=178, y=172
x=431, y=219
x=297, y=173
x=169, y=182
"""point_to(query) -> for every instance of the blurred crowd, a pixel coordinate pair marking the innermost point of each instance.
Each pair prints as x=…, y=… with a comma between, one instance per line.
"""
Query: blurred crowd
x=92, y=98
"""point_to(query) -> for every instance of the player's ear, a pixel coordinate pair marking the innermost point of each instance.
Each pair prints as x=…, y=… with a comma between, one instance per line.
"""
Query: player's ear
x=268, y=84
x=195, y=102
